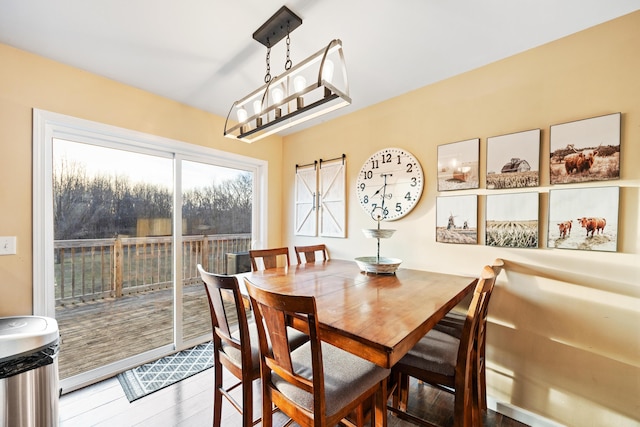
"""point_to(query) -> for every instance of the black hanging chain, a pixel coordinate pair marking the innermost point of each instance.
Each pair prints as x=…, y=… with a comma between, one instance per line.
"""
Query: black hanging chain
x=288, y=63
x=267, y=75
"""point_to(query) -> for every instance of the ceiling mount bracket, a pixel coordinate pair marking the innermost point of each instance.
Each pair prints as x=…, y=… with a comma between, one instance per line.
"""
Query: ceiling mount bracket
x=282, y=22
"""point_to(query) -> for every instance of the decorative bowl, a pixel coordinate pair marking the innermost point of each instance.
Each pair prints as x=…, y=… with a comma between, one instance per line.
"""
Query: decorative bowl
x=381, y=265
x=378, y=233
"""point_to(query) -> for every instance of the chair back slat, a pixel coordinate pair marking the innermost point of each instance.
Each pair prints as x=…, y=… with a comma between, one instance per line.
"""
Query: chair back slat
x=466, y=407
x=269, y=257
x=477, y=307
x=497, y=267
x=309, y=253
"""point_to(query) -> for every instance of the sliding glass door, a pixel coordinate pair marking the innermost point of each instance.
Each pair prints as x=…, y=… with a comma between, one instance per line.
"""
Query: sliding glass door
x=112, y=212
x=216, y=213
x=121, y=220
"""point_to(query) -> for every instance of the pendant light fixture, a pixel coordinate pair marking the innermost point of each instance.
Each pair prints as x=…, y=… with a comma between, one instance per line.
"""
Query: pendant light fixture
x=315, y=86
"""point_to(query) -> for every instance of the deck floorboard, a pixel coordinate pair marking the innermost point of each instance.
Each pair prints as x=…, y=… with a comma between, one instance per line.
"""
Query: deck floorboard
x=100, y=332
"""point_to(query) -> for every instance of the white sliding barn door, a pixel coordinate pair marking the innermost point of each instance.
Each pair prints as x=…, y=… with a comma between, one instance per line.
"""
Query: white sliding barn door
x=321, y=201
x=332, y=198
x=306, y=213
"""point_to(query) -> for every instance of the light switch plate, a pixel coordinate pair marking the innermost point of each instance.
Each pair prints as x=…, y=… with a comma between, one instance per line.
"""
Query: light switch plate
x=7, y=245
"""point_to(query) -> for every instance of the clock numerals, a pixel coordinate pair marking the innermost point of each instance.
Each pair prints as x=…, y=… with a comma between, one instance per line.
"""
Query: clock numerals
x=389, y=184
x=384, y=211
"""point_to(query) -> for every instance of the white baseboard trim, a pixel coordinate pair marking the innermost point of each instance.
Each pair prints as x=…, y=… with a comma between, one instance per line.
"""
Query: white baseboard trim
x=519, y=414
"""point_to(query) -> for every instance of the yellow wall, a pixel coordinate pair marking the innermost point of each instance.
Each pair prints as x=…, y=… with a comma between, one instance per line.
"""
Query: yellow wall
x=28, y=81
x=564, y=338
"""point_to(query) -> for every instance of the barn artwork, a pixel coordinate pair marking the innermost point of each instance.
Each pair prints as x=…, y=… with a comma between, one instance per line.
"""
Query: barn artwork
x=512, y=220
x=458, y=165
x=584, y=219
x=513, y=161
x=585, y=150
x=457, y=219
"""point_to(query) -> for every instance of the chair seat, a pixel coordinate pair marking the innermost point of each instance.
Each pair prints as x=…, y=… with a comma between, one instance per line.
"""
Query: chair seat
x=296, y=339
x=435, y=352
x=346, y=377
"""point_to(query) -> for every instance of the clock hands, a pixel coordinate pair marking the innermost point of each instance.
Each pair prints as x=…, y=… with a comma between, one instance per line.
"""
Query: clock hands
x=384, y=193
x=383, y=188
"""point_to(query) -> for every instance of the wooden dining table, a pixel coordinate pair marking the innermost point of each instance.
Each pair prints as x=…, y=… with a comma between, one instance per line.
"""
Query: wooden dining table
x=378, y=317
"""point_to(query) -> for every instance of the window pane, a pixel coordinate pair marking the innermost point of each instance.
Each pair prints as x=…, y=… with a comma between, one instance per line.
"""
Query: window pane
x=216, y=215
x=113, y=236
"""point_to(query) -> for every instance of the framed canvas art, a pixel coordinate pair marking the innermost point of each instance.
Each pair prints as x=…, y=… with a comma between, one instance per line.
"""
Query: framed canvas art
x=585, y=150
x=512, y=220
x=457, y=219
x=513, y=160
x=458, y=165
x=584, y=218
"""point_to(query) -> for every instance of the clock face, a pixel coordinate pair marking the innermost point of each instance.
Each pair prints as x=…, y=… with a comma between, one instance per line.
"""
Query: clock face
x=390, y=184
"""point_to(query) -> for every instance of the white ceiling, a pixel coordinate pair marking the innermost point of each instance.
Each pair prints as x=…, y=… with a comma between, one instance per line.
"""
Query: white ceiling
x=201, y=52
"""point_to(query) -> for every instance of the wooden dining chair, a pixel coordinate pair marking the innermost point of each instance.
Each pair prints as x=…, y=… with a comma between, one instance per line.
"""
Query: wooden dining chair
x=316, y=384
x=480, y=372
x=269, y=257
x=447, y=362
x=453, y=323
x=309, y=253
x=235, y=349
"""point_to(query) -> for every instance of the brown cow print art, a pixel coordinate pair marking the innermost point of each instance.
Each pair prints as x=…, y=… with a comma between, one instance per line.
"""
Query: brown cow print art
x=585, y=150
x=584, y=218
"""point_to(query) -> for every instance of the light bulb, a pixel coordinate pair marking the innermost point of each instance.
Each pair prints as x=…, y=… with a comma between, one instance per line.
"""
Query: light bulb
x=257, y=110
x=257, y=106
x=327, y=70
x=299, y=83
x=277, y=94
x=242, y=114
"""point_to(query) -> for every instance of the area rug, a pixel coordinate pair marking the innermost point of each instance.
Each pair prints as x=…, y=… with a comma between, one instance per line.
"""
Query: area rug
x=153, y=376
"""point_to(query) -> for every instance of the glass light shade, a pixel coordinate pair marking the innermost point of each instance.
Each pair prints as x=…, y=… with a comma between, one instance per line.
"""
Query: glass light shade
x=277, y=94
x=299, y=83
x=327, y=70
x=242, y=114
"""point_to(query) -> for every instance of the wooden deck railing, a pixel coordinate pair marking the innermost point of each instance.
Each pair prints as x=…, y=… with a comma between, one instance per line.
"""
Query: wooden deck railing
x=90, y=269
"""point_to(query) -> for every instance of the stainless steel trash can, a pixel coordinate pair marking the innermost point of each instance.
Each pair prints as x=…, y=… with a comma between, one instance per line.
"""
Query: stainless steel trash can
x=29, y=390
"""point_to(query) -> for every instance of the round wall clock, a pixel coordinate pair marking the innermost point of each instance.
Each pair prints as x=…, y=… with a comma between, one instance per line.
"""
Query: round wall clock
x=390, y=184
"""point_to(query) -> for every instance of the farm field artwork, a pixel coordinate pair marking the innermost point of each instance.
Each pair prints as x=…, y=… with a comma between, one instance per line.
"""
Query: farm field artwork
x=584, y=218
x=585, y=150
x=513, y=160
x=458, y=164
x=457, y=219
x=512, y=220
